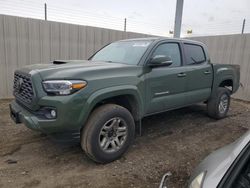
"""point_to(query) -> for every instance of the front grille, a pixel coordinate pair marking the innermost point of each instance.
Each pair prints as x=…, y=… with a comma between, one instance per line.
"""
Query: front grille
x=22, y=88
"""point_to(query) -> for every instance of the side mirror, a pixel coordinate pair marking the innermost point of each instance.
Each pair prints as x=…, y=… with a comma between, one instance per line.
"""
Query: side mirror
x=158, y=61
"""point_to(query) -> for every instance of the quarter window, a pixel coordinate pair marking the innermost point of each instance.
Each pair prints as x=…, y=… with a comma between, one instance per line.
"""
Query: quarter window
x=194, y=54
x=171, y=50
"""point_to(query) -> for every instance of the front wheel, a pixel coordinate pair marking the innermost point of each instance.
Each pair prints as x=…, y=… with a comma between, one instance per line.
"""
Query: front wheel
x=218, y=105
x=108, y=133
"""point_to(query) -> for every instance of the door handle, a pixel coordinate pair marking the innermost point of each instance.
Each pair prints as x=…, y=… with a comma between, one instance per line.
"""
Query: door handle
x=207, y=72
x=182, y=74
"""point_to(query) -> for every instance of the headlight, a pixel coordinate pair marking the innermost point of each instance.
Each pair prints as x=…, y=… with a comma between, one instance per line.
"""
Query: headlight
x=198, y=181
x=63, y=87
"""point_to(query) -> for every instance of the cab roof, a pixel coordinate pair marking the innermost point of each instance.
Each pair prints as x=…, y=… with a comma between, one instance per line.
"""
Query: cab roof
x=159, y=39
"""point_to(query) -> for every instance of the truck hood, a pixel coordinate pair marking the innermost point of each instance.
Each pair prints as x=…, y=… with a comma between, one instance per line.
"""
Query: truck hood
x=69, y=64
x=74, y=69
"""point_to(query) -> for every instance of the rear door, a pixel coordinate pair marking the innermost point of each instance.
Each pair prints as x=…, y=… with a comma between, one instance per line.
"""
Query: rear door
x=199, y=73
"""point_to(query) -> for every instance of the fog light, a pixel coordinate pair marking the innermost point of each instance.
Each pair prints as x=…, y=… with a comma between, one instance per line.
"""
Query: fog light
x=53, y=113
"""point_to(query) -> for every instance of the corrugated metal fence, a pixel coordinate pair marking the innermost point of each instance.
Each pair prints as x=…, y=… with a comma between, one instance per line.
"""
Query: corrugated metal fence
x=26, y=41
x=232, y=49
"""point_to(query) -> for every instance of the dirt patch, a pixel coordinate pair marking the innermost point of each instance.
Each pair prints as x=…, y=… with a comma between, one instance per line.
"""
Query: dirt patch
x=175, y=141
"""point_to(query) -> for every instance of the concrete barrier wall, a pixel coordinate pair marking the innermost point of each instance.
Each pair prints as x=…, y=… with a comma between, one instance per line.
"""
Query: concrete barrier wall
x=25, y=41
x=231, y=49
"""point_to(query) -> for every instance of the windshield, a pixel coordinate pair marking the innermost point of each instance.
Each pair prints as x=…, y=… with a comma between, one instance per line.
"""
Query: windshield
x=127, y=52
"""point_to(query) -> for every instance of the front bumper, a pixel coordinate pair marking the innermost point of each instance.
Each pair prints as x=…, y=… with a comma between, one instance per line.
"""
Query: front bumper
x=68, y=123
x=21, y=115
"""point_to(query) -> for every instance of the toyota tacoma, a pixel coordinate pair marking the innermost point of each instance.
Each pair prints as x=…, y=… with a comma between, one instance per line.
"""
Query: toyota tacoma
x=101, y=101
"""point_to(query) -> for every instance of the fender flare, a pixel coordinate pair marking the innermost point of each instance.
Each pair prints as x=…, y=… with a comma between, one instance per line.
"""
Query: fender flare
x=110, y=92
x=217, y=82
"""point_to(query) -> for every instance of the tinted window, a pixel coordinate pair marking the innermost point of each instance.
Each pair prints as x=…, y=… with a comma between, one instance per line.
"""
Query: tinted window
x=171, y=50
x=194, y=54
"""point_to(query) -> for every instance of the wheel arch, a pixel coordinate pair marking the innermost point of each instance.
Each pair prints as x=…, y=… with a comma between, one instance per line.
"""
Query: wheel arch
x=227, y=83
x=127, y=101
x=126, y=96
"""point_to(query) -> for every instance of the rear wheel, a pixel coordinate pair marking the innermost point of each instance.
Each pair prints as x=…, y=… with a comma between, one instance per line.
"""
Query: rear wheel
x=218, y=105
x=108, y=133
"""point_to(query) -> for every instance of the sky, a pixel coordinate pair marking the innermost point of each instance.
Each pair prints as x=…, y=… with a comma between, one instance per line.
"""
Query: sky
x=203, y=17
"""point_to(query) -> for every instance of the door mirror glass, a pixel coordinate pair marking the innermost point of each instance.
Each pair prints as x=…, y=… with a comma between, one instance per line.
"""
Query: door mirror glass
x=160, y=61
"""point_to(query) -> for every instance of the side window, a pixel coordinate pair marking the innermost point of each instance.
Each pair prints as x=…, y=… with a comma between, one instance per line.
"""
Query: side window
x=194, y=54
x=171, y=50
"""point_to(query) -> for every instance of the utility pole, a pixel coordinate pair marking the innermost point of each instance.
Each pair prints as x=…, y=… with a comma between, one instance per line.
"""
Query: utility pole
x=125, y=24
x=178, y=18
x=243, y=26
x=45, y=11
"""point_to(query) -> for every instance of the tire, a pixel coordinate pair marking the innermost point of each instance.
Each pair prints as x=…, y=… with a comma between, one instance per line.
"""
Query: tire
x=214, y=108
x=105, y=124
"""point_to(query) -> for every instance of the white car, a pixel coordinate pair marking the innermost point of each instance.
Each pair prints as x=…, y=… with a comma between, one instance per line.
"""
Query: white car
x=228, y=167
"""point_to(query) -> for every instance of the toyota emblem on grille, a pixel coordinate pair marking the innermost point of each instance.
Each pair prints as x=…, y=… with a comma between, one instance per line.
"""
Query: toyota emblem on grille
x=19, y=85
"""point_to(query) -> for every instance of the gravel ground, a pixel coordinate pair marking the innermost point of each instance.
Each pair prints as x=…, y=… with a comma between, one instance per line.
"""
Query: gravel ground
x=174, y=141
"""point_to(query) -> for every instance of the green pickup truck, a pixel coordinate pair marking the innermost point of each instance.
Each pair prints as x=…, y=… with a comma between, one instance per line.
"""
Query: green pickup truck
x=101, y=101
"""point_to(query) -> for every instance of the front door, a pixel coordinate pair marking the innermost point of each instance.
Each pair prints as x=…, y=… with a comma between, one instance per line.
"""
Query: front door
x=166, y=85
